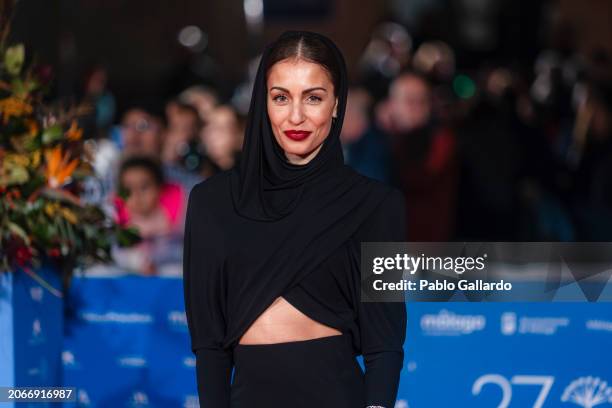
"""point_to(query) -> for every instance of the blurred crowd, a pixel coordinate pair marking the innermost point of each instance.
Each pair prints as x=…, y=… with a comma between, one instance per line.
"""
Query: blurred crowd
x=493, y=153
x=147, y=163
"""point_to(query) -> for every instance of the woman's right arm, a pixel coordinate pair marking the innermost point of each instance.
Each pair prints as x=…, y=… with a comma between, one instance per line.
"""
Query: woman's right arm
x=203, y=307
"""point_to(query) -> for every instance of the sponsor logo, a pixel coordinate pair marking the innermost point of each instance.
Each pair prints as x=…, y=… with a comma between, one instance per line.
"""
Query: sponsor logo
x=83, y=398
x=132, y=361
x=599, y=325
x=36, y=328
x=191, y=401
x=508, y=323
x=139, y=399
x=115, y=317
x=587, y=392
x=36, y=293
x=68, y=358
x=542, y=325
x=447, y=323
x=177, y=318
x=189, y=362
x=548, y=326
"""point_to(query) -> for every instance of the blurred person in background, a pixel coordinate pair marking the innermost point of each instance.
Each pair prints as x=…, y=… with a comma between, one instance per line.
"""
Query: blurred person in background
x=156, y=208
x=181, y=154
x=95, y=92
x=590, y=165
x=424, y=159
x=202, y=98
x=141, y=133
x=100, y=108
x=365, y=147
x=493, y=161
x=436, y=61
x=387, y=53
x=183, y=125
x=221, y=138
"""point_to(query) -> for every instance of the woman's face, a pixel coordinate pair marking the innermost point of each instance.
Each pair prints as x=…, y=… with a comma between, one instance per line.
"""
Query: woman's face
x=300, y=104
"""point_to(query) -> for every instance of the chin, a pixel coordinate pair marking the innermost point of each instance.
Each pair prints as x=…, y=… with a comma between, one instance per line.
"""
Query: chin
x=293, y=146
x=299, y=152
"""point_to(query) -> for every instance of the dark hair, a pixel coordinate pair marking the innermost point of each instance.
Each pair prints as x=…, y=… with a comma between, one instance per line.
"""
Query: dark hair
x=308, y=48
x=152, y=166
x=412, y=73
x=188, y=109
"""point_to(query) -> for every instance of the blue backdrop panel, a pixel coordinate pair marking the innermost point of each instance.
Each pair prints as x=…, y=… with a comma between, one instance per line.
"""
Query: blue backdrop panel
x=31, y=321
x=127, y=343
x=507, y=355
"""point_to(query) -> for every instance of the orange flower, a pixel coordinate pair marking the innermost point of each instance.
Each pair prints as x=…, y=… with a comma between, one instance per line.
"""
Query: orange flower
x=14, y=107
x=58, y=167
x=32, y=127
x=74, y=133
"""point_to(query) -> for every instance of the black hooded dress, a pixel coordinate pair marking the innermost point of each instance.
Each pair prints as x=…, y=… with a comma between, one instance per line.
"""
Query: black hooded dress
x=271, y=228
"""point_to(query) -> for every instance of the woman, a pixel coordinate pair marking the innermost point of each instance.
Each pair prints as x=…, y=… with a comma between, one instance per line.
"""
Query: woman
x=272, y=252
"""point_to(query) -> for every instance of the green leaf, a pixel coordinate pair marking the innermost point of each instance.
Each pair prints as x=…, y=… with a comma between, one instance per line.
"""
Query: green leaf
x=51, y=134
x=31, y=85
x=19, y=88
x=13, y=59
x=14, y=175
x=17, y=230
x=127, y=237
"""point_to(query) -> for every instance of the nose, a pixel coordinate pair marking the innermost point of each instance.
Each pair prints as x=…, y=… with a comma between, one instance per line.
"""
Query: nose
x=297, y=115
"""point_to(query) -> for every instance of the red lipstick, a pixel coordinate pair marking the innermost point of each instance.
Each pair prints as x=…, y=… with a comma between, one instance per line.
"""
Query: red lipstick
x=297, y=135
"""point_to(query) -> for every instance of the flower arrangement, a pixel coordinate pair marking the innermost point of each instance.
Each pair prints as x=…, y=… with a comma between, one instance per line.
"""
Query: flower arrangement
x=43, y=163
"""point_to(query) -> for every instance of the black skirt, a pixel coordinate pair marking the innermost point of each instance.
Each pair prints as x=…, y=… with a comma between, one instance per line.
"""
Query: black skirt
x=321, y=372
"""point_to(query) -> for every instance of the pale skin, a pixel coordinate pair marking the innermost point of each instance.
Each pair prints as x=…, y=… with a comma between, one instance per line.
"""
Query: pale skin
x=300, y=97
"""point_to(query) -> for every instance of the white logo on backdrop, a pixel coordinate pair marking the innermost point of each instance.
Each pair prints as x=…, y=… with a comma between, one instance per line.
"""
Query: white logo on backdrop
x=189, y=362
x=132, y=361
x=68, y=358
x=83, y=398
x=176, y=317
x=508, y=323
x=36, y=328
x=447, y=323
x=542, y=325
x=599, y=325
x=401, y=404
x=548, y=326
x=587, y=392
x=139, y=399
x=191, y=401
x=36, y=293
x=115, y=317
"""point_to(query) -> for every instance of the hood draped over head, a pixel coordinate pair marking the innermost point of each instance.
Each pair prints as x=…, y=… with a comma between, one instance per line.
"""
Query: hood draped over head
x=269, y=187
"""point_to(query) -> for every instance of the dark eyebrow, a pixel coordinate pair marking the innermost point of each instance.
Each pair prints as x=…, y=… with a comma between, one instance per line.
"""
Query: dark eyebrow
x=316, y=88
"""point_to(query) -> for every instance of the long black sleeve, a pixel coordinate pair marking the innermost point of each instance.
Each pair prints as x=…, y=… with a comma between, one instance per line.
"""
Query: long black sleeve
x=214, y=372
x=383, y=324
x=203, y=310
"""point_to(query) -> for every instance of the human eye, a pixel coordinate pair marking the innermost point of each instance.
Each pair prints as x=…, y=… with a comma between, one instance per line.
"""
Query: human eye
x=314, y=99
x=280, y=98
